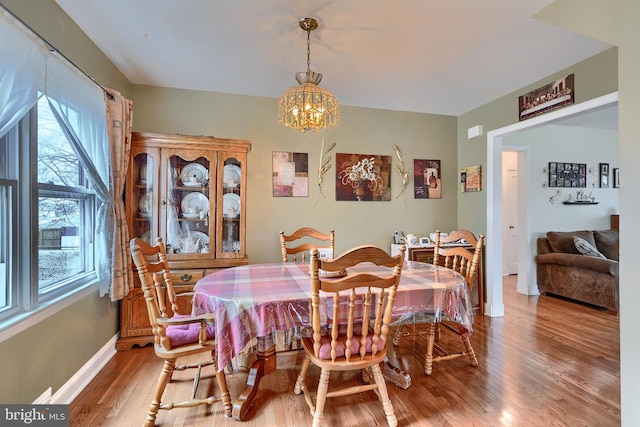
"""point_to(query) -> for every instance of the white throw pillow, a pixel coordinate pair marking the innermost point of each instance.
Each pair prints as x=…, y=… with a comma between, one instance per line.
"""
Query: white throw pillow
x=585, y=248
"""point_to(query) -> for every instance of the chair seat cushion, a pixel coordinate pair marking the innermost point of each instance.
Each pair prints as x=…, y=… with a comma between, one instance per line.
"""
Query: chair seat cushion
x=341, y=345
x=186, y=334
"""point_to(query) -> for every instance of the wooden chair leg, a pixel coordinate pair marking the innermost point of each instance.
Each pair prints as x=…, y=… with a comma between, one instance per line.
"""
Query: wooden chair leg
x=428, y=360
x=224, y=392
x=384, y=396
x=470, y=353
x=297, y=389
x=321, y=397
x=165, y=375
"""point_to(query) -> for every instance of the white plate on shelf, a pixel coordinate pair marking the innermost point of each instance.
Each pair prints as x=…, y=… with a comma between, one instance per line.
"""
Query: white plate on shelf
x=145, y=214
x=143, y=173
x=231, y=201
x=232, y=173
x=190, y=216
x=193, y=184
x=195, y=235
x=144, y=204
x=191, y=170
x=195, y=200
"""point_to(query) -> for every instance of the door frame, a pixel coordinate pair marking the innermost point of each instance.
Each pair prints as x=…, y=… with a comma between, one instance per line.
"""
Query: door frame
x=521, y=154
x=494, y=305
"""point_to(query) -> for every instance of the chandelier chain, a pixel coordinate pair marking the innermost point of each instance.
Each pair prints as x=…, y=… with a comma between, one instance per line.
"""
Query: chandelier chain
x=308, y=51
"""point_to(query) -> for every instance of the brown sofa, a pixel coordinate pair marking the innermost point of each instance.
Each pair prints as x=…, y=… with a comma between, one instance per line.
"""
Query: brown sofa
x=563, y=270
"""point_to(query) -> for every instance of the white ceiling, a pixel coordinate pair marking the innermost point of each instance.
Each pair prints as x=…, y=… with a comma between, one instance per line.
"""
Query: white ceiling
x=429, y=56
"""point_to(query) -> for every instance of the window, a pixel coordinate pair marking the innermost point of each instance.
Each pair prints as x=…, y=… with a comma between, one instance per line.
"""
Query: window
x=47, y=241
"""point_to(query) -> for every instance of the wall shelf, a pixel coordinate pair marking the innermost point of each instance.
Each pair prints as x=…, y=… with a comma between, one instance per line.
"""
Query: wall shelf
x=580, y=203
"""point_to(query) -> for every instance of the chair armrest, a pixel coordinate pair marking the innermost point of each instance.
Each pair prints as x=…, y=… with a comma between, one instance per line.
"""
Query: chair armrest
x=202, y=318
x=600, y=265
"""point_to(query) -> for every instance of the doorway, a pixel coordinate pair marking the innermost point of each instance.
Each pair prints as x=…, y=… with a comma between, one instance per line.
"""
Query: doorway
x=510, y=228
x=494, y=305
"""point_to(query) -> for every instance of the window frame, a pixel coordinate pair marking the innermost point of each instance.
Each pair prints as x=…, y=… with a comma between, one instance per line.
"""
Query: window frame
x=28, y=304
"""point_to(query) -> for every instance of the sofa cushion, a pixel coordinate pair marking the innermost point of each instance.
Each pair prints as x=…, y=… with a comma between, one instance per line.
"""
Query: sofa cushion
x=562, y=241
x=585, y=248
x=607, y=243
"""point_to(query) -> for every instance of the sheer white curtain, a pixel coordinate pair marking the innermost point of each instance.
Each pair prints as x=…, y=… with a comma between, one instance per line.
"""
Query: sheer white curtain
x=78, y=104
x=22, y=71
x=27, y=70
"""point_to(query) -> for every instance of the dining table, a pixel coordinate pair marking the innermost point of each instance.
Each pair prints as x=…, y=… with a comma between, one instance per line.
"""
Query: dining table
x=251, y=302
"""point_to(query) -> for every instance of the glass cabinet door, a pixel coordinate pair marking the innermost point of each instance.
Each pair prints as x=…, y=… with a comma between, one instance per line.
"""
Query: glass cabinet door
x=144, y=179
x=231, y=227
x=187, y=203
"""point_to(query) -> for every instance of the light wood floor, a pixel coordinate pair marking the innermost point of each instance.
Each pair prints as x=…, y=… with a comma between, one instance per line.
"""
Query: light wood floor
x=547, y=362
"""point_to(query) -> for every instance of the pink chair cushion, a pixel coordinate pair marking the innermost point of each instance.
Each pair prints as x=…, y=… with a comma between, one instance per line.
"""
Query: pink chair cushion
x=186, y=334
x=341, y=345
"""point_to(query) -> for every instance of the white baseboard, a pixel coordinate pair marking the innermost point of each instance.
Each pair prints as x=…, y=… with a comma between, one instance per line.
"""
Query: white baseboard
x=72, y=388
x=44, y=398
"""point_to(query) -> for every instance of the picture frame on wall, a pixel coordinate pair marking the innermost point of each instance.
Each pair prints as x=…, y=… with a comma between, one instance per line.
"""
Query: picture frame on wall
x=427, y=179
x=471, y=179
x=547, y=98
x=604, y=175
x=616, y=177
x=290, y=174
x=572, y=175
x=363, y=177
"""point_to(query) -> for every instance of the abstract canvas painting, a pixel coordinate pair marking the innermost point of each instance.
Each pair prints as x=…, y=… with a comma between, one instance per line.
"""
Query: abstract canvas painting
x=290, y=174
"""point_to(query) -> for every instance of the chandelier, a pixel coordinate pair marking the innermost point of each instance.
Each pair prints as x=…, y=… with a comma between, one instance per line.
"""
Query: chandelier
x=308, y=106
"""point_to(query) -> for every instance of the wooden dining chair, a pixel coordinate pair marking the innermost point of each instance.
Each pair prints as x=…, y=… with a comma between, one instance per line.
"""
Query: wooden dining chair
x=175, y=335
x=465, y=262
x=295, y=247
x=305, y=239
x=350, y=319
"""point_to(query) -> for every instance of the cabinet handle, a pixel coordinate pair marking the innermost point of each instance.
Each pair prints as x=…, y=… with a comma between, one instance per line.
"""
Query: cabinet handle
x=185, y=277
x=163, y=202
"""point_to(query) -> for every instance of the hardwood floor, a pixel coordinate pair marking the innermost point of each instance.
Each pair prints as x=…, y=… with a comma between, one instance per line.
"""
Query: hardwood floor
x=547, y=362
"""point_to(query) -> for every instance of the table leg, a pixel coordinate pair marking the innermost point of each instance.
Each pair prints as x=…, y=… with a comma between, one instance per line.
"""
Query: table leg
x=263, y=365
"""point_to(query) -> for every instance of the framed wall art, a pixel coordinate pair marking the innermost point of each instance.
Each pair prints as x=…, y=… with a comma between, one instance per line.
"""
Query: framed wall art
x=427, y=179
x=546, y=98
x=616, y=178
x=604, y=175
x=290, y=174
x=363, y=177
x=471, y=179
x=572, y=175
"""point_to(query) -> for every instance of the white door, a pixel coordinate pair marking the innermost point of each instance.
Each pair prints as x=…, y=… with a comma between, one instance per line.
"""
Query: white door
x=510, y=221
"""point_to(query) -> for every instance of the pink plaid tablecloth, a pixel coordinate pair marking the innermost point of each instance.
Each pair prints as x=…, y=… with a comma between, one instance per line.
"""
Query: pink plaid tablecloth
x=255, y=300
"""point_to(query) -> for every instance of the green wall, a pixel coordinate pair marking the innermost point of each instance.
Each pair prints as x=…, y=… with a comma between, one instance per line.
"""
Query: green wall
x=361, y=130
x=49, y=353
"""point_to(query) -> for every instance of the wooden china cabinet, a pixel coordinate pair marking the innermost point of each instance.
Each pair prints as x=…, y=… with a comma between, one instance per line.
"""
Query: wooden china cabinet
x=191, y=191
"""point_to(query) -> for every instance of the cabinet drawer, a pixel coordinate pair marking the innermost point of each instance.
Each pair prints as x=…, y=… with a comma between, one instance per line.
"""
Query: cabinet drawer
x=186, y=277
